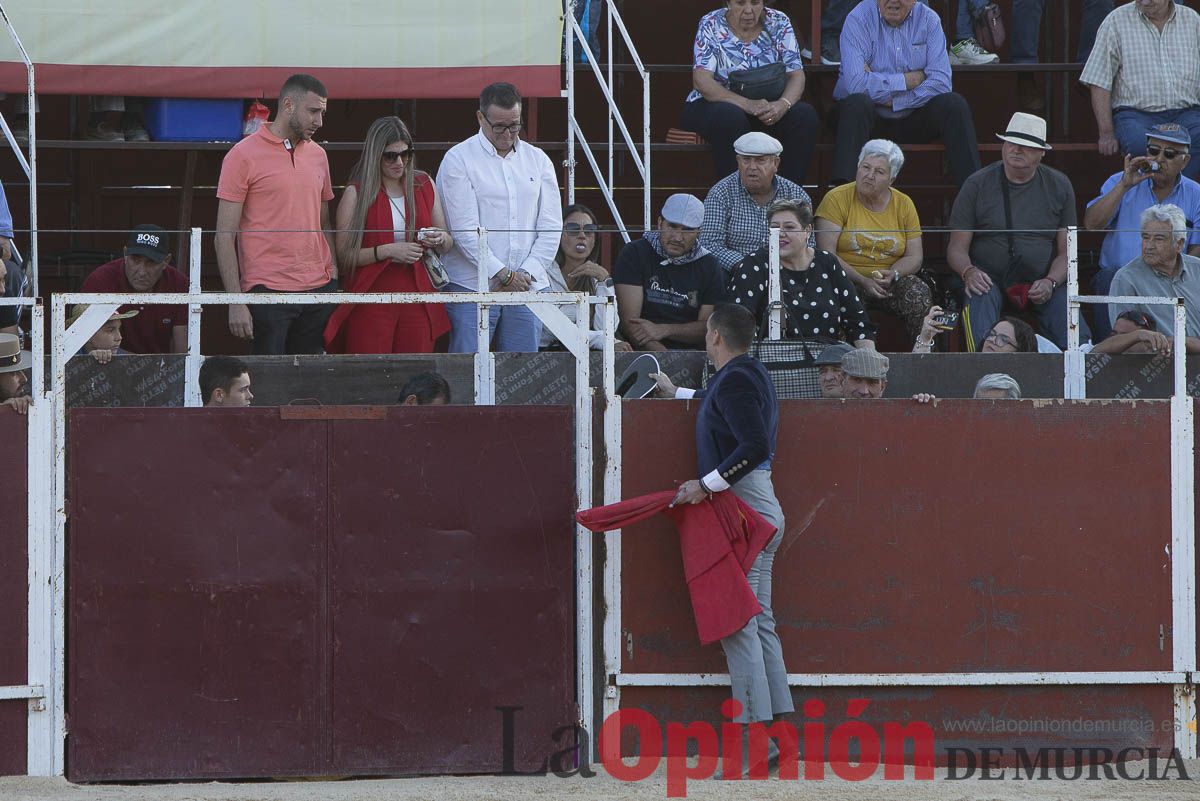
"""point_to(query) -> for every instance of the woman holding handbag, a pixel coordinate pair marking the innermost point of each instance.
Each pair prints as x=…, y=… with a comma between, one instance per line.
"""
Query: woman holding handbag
x=390, y=230
x=747, y=76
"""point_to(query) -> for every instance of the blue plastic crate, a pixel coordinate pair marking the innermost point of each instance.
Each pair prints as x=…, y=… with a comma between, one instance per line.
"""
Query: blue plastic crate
x=184, y=119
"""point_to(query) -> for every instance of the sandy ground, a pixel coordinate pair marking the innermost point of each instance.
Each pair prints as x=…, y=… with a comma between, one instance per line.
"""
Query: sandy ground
x=604, y=787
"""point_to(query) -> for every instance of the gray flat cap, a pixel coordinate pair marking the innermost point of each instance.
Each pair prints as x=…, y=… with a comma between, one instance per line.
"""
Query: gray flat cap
x=757, y=143
x=865, y=363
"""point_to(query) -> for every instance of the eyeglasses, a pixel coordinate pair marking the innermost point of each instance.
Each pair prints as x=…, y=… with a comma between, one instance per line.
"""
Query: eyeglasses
x=1170, y=154
x=391, y=156
x=514, y=127
x=1000, y=339
x=575, y=228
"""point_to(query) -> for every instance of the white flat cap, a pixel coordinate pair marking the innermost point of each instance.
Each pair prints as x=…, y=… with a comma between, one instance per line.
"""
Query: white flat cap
x=757, y=143
x=684, y=209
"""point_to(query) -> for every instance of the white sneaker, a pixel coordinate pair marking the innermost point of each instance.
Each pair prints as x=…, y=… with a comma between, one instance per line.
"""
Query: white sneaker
x=968, y=51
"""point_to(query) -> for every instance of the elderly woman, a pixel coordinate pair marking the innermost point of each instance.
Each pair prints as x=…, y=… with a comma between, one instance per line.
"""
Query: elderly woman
x=818, y=299
x=875, y=232
x=747, y=76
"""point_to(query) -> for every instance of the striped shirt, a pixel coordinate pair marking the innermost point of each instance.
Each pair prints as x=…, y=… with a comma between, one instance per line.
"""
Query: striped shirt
x=734, y=225
x=1144, y=68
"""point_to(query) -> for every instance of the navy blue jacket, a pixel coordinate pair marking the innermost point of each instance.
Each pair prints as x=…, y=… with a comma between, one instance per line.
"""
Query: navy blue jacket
x=738, y=421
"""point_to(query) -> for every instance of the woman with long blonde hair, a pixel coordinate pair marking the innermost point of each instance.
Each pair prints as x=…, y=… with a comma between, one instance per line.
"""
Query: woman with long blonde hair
x=388, y=217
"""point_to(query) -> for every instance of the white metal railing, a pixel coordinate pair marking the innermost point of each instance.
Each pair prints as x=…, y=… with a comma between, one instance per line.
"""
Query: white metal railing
x=572, y=35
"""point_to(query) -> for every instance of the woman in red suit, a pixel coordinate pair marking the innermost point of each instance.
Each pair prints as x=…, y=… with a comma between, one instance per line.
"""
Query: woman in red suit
x=386, y=203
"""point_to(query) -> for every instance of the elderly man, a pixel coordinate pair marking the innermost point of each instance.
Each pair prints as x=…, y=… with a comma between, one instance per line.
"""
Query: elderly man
x=829, y=363
x=14, y=383
x=735, y=211
x=894, y=83
x=997, y=386
x=1163, y=270
x=864, y=373
x=1145, y=69
x=1146, y=181
x=145, y=266
x=1009, y=235
x=496, y=181
x=667, y=282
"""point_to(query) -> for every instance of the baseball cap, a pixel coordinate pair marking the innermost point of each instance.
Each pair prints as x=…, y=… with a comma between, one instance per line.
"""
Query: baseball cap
x=1170, y=132
x=150, y=241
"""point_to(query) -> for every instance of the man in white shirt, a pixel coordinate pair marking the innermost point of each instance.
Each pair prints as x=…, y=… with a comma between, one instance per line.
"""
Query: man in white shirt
x=495, y=181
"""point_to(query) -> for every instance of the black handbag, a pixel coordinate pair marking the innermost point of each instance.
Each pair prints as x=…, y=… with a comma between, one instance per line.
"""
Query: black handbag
x=761, y=83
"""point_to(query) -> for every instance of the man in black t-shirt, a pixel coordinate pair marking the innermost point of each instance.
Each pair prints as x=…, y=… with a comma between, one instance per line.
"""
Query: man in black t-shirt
x=667, y=283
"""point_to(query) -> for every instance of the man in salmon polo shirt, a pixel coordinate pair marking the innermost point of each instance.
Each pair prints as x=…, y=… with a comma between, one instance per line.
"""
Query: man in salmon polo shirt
x=273, y=225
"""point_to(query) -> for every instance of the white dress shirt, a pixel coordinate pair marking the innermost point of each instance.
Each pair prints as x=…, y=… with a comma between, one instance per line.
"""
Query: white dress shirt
x=515, y=197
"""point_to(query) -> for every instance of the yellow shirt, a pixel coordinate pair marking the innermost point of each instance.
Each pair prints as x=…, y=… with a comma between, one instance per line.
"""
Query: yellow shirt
x=870, y=240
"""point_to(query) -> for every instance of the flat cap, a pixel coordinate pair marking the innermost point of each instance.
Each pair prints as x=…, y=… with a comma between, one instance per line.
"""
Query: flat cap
x=865, y=363
x=757, y=143
x=684, y=209
x=833, y=354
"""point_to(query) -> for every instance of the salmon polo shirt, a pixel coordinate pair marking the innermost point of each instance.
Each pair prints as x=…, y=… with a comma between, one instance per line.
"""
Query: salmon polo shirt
x=281, y=189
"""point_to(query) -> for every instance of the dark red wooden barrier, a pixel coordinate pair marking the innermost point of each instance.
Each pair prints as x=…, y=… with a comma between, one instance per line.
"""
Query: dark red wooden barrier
x=14, y=588
x=962, y=537
x=257, y=596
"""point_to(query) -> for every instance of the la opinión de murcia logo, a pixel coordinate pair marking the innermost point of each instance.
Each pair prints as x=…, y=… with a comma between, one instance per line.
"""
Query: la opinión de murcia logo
x=698, y=750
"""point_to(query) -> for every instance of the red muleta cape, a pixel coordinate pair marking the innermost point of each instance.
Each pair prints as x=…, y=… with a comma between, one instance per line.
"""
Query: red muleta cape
x=720, y=538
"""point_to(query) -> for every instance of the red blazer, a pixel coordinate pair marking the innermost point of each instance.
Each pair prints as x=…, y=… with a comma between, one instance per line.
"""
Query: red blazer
x=720, y=538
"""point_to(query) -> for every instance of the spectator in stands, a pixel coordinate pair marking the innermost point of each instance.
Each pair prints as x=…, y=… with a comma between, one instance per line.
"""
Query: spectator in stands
x=1023, y=43
x=1162, y=270
x=667, y=282
x=388, y=218
x=997, y=386
x=106, y=342
x=576, y=270
x=875, y=232
x=425, y=389
x=113, y=118
x=865, y=373
x=1135, y=332
x=225, y=382
x=1145, y=70
x=819, y=300
x=966, y=51
x=145, y=266
x=496, y=181
x=744, y=36
x=894, y=82
x=14, y=383
x=735, y=211
x=1009, y=237
x=1010, y=335
x=12, y=285
x=274, y=232
x=829, y=363
x=1146, y=181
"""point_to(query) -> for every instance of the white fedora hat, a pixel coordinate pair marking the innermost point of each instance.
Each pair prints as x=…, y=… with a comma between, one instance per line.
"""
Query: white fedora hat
x=1027, y=130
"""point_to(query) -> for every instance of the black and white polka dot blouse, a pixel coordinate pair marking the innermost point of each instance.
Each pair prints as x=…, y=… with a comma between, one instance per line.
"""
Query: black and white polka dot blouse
x=820, y=301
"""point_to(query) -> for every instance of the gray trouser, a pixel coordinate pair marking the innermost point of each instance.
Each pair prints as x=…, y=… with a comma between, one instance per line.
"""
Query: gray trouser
x=754, y=654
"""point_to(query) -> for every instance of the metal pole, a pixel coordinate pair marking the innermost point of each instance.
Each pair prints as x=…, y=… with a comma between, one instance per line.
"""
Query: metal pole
x=646, y=147
x=1074, y=380
x=569, y=34
x=485, y=364
x=612, y=539
x=612, y=176
x=775, y=290
x=583, y=538
x=191, y=367
x=55, y=682
x=1183, y=542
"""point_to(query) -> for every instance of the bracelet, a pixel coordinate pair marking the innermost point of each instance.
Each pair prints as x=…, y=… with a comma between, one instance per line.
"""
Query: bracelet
x=509, y=280
x=704, y=486
x=923, y=344
x=375, y=252
x=785, y=100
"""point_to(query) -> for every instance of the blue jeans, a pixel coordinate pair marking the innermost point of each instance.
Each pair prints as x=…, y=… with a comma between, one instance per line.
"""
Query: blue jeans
x=1027, y=28
x=1129, y=126
x=513, y=328
x=967, y=11
x=1052, y=316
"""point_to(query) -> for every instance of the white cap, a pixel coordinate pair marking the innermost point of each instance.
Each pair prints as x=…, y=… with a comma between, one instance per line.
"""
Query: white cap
x=757, y=143
x=684, y=209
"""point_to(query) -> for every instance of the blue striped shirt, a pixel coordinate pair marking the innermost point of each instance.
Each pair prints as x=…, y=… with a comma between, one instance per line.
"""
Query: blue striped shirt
x=917, y=43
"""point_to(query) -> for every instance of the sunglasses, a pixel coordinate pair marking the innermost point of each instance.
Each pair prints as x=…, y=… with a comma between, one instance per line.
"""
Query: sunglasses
x=391, y=156
x=1170, y=154
x=575, y=228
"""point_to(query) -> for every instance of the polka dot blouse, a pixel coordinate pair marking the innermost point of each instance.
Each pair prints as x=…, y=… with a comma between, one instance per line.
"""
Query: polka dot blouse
x=820, y=301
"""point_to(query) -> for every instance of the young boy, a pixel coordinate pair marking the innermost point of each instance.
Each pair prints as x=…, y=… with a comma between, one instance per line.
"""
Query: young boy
x=106, y=342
